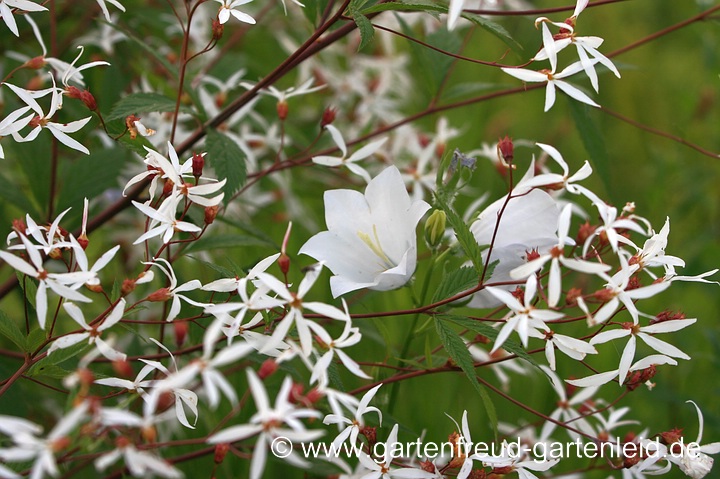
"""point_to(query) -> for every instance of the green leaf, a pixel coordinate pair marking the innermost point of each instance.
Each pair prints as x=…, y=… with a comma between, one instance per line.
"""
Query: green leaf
x=406, y=6
x=592, y=139
x=488, y=331
x=13, y=194
x=89, y=177
x=495, y=29
x=57, y=357
x=29, y=288
x=11, y=330
x=228, y=160
x=426, y=6
x=35, y=339
x=52, y=371
x=462, y=232
x=251, y=230
x=35, y=164
x=367, y=31
x=457, y=281
x=154, y=52
x=220, y=242
x=457, y=350
x=137, y=103
x=226, y=273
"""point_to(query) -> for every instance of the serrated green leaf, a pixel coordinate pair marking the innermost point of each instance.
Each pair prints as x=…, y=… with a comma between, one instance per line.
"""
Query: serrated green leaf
x=154, y=52
x=458, y=352
x=52, y=371
x=226, y=273
x=495, y=29
x=89, y=177
x=467, y=89
x=334, y=377
x=592, y=139
x=426, y=6
x=13, y=194
x=11, y=330
x=116, y=290
x=406, y=6
x=223, y=241
x=367, y=31
x=138, y=103
x=29, y=288
x=462, y=232
x=228, y=160
x=251, y=230
x=488, y=331
x=57, y=357
x=35, y=339
x=457, y=281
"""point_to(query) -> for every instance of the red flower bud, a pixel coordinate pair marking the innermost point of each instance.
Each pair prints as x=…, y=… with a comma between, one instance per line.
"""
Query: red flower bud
x=221, y=451
x=198, y=162
x=328, y=116
x=128, y=286
x=506, y=149
x=268, y=368
x=210, y=214
x=282, y=109
x=181, y=331
x=89, y=100
x=123, y=368
x=162, y=294
x=35, y=63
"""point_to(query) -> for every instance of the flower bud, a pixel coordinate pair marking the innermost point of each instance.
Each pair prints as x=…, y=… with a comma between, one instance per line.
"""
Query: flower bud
x=210, y=214
x=123, y=368
x=221, y=451
x=295, y=395
x=128, y=286
x=73, y=92
x=282, y=109
x=83, y=241
x=267, y=368
x=162, y=294
x=198, y=162
x=505, y=149
x=328, y=116
x=35, y=63
x=435, y=228
x=89, y=100
x=181, y=330
x=217, y=29
x=284, y=263
x=314, y=395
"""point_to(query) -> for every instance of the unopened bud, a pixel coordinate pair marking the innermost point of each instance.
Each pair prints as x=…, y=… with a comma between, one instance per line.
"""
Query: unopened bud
x=123, y=368
x=584, y=232
x=435, y=228
x=198, y=163
x=328, y=116
x=221, y=451
x=73, y=92
x=314, y=395
x=128, y=286
x=83, y=241
x=210, y=214
x=505, y=149
x=162, y=294
x=295, y=394
x=95, y=288
x=282, y=109
x=35, y=63
x=267, y=368
x=217, y=29
x=85, y=376
x=284, y=263
x=89, y=100
x=181, y=331
x=149, y=434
